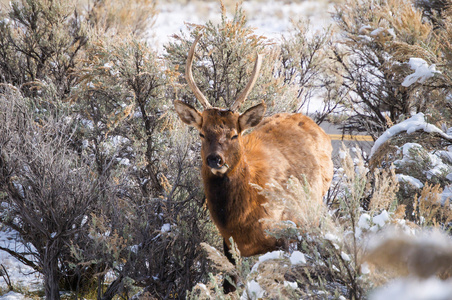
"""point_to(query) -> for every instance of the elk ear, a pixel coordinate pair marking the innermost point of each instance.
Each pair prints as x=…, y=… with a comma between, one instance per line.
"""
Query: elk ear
x=188, y=114
x=252, y=116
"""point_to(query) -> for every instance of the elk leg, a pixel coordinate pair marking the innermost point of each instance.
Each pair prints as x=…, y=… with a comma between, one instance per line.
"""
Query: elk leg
x=228, y=253
x=228, y=287
x=283, y=244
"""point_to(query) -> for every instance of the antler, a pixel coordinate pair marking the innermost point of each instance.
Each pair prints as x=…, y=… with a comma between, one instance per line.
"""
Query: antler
x=249, y=86
x=189, y=76
x=201, y=98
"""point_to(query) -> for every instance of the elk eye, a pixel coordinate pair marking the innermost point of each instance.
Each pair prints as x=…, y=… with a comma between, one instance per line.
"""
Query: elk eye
x=234, y=137
x=201, y=135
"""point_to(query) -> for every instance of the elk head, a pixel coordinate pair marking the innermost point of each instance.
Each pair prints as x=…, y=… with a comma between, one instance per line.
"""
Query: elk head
x=220, y=129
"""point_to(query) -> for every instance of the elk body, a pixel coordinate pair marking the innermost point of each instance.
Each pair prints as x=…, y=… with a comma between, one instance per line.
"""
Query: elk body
x=280, y=146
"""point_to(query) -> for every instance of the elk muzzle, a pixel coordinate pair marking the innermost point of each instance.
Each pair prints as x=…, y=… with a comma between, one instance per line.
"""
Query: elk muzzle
x=216, y=163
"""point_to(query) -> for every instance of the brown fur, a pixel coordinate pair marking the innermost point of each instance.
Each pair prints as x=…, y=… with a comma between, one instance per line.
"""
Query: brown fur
x=280, y=146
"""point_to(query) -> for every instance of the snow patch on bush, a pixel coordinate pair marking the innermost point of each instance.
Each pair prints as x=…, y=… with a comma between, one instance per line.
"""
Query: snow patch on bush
x=411, y=180
x=278, y=254
x=253, y=291
x=422, y=71
x=413, y=124
x=297, y=258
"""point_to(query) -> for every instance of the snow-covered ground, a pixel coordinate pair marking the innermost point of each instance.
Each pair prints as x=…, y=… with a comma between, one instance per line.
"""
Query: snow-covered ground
x=21, y=276
x=270, y=18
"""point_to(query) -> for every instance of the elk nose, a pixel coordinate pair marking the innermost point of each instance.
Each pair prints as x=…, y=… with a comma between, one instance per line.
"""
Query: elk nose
x=214, y=161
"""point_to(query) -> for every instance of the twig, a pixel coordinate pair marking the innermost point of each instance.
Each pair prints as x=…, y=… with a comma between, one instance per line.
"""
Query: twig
x=6, y=277
x=21, y=258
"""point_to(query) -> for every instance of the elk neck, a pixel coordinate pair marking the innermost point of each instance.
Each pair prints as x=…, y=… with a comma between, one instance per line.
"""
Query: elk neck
x=229, y=196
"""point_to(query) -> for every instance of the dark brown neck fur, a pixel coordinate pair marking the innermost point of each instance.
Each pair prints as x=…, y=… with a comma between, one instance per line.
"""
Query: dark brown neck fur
x=229, y=195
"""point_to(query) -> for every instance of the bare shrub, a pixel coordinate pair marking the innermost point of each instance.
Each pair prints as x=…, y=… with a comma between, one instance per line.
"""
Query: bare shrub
x=306, y=66
x=48, y=190
x=379, y=40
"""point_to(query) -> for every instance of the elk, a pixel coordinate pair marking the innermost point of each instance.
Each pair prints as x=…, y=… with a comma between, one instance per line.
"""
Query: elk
x=280, y=146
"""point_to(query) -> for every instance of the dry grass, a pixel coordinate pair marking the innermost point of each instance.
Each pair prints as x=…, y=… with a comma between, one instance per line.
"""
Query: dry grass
x=293, y=201
x=122, y=17
x=385, y=187
x=428, y=210
x=221, y=263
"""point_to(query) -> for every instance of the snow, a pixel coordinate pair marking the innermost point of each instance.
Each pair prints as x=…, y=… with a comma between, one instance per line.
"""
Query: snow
x=377, y=31
x=411, y=180
x=422, y=71
x=413, y=124
x=173, y=17
x=278, y=254
x=364, y=29
x=331, y=237
x=345, y=256
x=270, y=18
x=446, y=195
x=165, y=227
x=372, y=224
x=258, y=15
x=292, y=285
x=435, y=160
x=204, y=287
x=381, y=219
x=415, y=289
x=438, y=166
x=406, y=152
x=364, y=221
x=439, y=161
x=13, y=296
x=365, y=268
x=124, y=161
x=392, y=32
x=134, y=248
x=20, y=274
x=297, y=258
x=84, y=220
x=253, y=291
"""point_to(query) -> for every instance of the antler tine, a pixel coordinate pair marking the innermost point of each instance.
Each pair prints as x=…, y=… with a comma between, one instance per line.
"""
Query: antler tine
x=249, y=86
x=189, y=76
